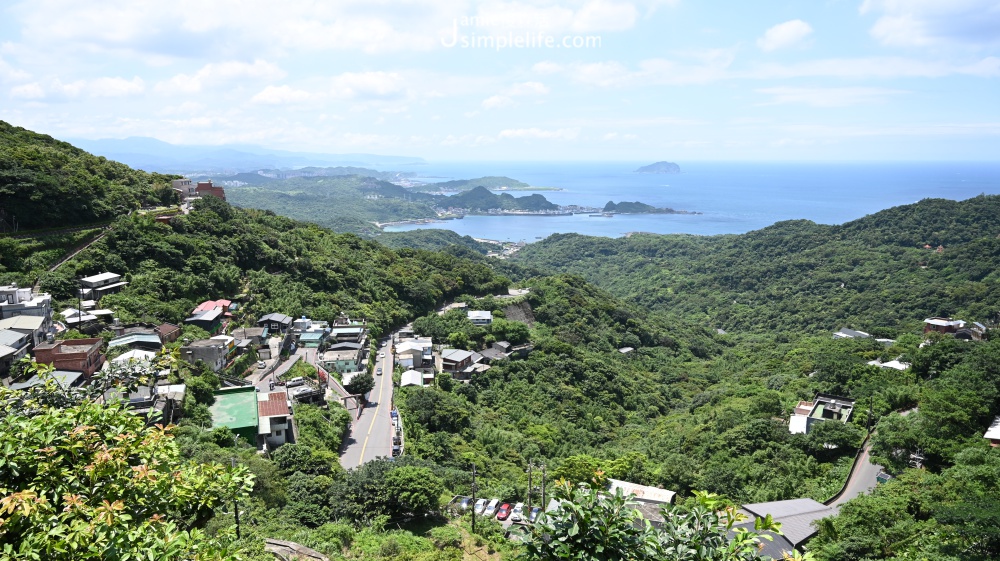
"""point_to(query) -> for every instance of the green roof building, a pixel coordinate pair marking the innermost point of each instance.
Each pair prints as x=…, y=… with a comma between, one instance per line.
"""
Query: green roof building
x=236, y=408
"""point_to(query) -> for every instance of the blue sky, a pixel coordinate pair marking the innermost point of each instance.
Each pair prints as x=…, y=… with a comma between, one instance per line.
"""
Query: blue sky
x=591, y=79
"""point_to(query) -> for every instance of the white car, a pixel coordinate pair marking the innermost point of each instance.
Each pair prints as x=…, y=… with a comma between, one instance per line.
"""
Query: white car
x=491, y=508
x=381, y=355
x=480, y=506
x=517, y=514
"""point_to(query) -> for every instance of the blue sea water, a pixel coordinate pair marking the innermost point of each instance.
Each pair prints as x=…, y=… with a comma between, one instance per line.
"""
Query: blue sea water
x=732, y=197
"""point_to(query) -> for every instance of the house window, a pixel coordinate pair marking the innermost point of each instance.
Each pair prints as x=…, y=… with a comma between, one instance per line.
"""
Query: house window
x=277, y=433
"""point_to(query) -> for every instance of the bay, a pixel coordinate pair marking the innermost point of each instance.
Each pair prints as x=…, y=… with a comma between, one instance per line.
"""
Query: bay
x=732, y=197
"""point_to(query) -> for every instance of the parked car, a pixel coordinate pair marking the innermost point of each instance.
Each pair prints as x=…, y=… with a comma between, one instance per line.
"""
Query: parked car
x=396, y=450
x=378, y=371
x=535, y=511
x=296, y=381
x=261, y=364
x=491, y=508
x=480, y=506
x=381, y=355
x=504, y=512
x=517, y=514
x=465, y=503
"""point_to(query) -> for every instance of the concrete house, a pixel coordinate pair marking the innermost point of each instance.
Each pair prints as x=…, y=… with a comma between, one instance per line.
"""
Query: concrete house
x=237, y=409
x=19, y=302
x=36, y=327
x=943, y=325
x=825, y=407
x=480, y=317
x=209, y=320
x=343, y=357
x=76, y=355
x=213, y=352
x=97, y=286
x=415, y=353
x=846, y=333
x=274, y=420
x=14, y=346
x=455, y=360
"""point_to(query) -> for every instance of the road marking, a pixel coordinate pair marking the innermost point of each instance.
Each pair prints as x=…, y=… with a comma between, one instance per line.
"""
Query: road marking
x=361, y=460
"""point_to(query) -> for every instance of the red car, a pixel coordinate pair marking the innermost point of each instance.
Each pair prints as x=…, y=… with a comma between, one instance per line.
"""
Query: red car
x=504, y=512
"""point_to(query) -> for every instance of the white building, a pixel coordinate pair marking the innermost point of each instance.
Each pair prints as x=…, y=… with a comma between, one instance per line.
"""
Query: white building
x=480, y=317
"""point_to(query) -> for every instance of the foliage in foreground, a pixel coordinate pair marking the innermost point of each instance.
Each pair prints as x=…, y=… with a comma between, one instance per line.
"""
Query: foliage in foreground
x=590, y=525
x=93, y=482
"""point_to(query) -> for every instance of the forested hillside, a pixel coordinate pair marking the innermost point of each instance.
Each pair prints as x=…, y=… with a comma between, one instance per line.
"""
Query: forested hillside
x=874, y=273
x=219, y=251
x=46, y=183
x=623, y=374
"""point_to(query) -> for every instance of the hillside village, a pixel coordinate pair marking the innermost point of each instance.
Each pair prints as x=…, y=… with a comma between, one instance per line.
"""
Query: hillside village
x=267, y=367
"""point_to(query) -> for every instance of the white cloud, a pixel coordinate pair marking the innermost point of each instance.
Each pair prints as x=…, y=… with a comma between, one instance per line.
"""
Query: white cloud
x=9, y=73
x=784, y=35
x=873, y=67
x=497, y=101
x=280, y=95
x=33, y=90
x=600, y=15
x=97, y=87
x=368, y=85
x=522, y=89
x=216, y=74
x=828, y=97
x=916, y=23
x=537, y=133
x=705, y=67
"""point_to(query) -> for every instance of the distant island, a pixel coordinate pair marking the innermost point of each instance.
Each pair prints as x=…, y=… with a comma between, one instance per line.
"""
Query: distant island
x=660, y=167
x=492, y=182
x=636, y=207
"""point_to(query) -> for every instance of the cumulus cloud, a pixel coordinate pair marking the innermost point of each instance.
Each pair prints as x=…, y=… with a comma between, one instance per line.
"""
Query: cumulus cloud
x=497, y=101
x=784, y=35
x=368, y=85
x=534, y=133
x=98, y=87
x=828, y=97
x=914, y=23
x=216, y=74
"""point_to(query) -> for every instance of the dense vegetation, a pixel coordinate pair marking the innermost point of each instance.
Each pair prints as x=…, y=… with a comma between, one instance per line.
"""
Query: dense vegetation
x=219, y=251
x=489, y=182
x=686, y=408
x=873, y=274
x=432, y=239
x=46, y=183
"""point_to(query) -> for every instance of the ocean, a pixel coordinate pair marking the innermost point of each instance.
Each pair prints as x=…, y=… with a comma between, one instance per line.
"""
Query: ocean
x=732, y=197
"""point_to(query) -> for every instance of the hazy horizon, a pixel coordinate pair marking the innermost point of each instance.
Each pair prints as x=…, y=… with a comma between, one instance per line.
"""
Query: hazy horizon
x=517, y=80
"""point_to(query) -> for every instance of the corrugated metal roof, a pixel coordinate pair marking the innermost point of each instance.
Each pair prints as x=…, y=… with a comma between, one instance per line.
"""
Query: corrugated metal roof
x=796, y=516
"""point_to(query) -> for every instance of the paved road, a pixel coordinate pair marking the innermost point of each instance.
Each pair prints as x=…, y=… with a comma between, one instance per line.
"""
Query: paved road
x=370, y=435
x=862, y=479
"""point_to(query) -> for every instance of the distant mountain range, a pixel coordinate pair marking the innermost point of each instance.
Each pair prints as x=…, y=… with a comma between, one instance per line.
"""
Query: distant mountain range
x=151, y=154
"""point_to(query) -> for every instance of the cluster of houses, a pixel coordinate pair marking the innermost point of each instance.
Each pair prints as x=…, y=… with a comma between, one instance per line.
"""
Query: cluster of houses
x=422, y=361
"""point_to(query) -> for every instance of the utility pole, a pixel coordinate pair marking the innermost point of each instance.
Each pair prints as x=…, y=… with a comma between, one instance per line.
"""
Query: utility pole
x=871, y=400
x=529, y=487
x=236, y=507
x=543, y=488
x=473, y=498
